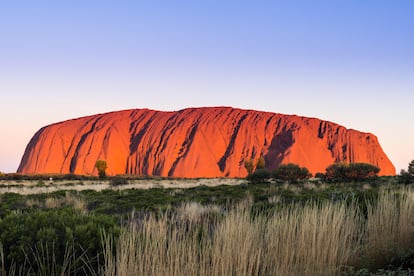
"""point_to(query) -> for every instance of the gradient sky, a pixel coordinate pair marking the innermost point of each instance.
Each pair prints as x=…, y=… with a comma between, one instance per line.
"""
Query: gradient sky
x=350, y=62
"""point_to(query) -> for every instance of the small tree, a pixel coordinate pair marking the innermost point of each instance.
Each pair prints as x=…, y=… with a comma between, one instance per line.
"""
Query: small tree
x=260, y=164
x=249, y=166
x=101, y=166
x=411, y=168
x=407, y=177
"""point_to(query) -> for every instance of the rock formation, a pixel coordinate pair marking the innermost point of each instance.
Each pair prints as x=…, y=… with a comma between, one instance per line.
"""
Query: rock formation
x=196, y=142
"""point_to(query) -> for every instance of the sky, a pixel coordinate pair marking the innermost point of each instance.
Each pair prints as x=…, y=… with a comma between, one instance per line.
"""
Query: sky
x=350, y=62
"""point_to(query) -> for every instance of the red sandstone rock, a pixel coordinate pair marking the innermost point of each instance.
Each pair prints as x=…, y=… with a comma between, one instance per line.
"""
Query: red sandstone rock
x=196, y=142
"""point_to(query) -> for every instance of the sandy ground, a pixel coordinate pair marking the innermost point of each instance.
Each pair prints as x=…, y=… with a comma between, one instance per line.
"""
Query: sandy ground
x=32, y=187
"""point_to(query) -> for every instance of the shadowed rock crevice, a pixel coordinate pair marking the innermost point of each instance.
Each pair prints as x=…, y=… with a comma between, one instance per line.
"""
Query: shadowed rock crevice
x=185, y=147
x=73, y=161
x=278, y=148
x=230, y=147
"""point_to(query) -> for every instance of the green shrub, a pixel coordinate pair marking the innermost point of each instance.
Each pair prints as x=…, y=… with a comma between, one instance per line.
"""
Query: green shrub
x=28, y=236
x=407, y=177
x=260, y=176
x=320, y=175
x=291, y=172
x=351, y=171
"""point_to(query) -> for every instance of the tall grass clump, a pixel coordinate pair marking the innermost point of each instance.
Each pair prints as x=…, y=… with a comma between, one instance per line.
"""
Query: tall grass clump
x=315, y=240
x=237, y=244
x=155, y=248
x=390, y=228
x=311, y=240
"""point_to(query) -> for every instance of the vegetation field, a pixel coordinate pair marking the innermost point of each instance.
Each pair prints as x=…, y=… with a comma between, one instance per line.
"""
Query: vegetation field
x=310, y=227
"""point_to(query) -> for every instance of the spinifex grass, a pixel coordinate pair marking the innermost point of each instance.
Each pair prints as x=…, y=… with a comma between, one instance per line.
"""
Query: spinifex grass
x=310, y=239
x=314, y=240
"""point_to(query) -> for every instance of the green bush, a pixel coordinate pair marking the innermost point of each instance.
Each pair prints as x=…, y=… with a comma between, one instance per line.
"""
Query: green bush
x=407, y=176
x=351, y=171
x=291, y=172
x=41, y=238
x=320, y=175
x=260, y=176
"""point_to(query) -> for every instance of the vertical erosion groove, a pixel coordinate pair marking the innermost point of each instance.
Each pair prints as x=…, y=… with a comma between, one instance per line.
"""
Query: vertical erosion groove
x=74, y=159
x=230, y=148
x=185, y=147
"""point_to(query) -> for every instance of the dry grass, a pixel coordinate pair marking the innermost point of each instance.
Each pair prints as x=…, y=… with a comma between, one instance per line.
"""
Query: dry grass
x=312, y=240
x=154, y=249
x=195, y=212
x=390, y=227
x=70, y=199
x=298, y=240
x=28, y=187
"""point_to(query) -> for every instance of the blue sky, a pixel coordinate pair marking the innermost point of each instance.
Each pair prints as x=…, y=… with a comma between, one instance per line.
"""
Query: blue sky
x=351, y=62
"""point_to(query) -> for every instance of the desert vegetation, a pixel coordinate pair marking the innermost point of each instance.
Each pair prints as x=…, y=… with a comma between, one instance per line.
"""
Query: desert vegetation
x=293, y=173
x=101, y=166
x=307, y=227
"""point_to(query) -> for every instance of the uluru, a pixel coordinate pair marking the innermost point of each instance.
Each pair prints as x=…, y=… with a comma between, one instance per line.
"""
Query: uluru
x=196, y=142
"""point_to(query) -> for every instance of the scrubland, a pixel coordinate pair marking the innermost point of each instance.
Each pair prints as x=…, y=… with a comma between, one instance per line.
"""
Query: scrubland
x=307, y=228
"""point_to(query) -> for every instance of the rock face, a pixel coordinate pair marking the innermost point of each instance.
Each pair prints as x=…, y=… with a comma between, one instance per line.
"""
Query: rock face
x=196, y=142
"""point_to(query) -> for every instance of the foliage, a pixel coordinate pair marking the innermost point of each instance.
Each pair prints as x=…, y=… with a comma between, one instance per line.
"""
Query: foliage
x=249, y=166
x=101, y=166
x=260, y=164
x=260, y=176
x=252, y=166
x=320, y=175
x=351, y=171
x=291, y=172
x=407, y=176
x=411, y=168
x=24, y=234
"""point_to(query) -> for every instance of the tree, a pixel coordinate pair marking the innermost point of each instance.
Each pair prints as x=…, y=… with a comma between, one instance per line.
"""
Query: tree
x=101, y=166
x=407, y=177
x=351, y=171
x=249, y=166
x=411, y=168
x=260, y=164
x=291, y=172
